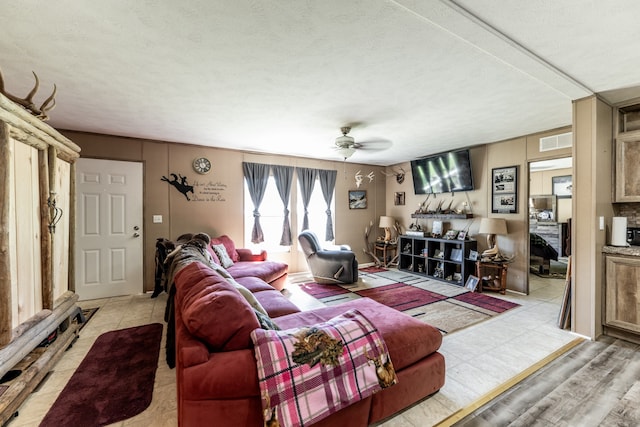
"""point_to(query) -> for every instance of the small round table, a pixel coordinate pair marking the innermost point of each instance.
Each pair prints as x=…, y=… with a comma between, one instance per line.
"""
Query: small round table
x=388, y=251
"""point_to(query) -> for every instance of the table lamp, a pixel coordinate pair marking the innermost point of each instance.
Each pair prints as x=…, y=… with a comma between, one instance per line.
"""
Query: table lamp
x=491, y=227
x=387, y=223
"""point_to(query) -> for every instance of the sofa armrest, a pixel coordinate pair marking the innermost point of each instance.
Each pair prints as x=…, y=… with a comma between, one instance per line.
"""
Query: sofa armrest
x=192, y=351
x=247, y=255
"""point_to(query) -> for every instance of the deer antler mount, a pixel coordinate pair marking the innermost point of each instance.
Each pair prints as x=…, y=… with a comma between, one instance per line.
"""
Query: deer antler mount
x=28, y=103
x=399, y=175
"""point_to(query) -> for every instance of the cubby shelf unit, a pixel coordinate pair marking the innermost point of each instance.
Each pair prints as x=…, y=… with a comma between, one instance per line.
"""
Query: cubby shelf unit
x=440, y=259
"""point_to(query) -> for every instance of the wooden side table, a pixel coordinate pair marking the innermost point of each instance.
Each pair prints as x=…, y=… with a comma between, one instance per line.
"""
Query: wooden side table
x=492, y=275
x=387, y=250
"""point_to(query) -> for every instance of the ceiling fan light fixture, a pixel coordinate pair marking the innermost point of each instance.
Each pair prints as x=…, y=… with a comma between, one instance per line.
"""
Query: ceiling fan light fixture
x=346, y=152
x=345, y=141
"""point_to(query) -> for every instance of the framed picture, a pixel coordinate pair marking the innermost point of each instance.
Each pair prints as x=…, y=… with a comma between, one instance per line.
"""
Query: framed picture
x=357, y=199
x=456, y=255
x=398, y=199
x=473, y=256
x=504, y=190
x=436, y=229
x=451, y=234
x=472, y=283
x=562, y=186
x=462, y=235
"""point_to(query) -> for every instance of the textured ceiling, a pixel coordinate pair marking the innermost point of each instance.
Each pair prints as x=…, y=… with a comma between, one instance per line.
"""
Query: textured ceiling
x=413, y=77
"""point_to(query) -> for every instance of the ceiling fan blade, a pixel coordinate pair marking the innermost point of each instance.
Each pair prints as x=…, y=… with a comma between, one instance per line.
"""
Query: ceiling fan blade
x=374, y=145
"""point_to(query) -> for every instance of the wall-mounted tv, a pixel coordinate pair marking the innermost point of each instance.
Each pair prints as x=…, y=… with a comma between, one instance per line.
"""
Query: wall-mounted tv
x=442, y=173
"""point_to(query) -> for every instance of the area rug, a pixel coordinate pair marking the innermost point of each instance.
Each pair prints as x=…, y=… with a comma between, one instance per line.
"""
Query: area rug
x=445, y=306
x=113, y=382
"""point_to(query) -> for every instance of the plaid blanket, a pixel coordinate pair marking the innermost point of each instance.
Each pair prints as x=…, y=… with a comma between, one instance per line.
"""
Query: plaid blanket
x=306, y=374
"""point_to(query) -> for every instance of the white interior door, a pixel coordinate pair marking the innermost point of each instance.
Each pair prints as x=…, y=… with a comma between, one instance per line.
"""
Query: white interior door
x=108, y=228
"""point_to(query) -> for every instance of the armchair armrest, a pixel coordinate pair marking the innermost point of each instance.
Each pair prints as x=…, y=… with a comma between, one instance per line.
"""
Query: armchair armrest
x=247, y=255
x=335, y=255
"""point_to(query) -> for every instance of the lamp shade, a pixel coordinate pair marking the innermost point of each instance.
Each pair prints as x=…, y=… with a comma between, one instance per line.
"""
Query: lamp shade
x=386, y=222
x=493, y=226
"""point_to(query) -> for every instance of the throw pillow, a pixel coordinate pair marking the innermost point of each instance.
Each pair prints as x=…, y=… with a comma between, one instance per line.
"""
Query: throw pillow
x=299, y=369
x=265, y=321
x=223, y=256
x=229, y=245
x=214, y=257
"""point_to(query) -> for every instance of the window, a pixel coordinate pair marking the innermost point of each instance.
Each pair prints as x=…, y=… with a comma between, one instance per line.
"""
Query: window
x=317, y=212
x=271, y=217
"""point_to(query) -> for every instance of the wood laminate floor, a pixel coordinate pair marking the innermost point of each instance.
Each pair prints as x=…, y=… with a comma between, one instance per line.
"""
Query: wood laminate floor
x=595, y=384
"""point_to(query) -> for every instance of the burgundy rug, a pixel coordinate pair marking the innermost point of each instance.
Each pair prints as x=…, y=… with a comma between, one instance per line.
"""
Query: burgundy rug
x=487, y=302
x=400, y=296
x=114, y=381
x=447, y=307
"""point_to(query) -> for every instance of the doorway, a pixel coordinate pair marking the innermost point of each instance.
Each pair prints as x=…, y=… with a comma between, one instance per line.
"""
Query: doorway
x=550, y=212
x=109, y=251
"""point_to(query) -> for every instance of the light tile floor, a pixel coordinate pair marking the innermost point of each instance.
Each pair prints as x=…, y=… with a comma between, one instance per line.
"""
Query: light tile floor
x=479, y=358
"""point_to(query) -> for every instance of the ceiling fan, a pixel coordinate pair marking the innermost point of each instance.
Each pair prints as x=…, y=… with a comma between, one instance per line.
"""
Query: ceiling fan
x=346, y=145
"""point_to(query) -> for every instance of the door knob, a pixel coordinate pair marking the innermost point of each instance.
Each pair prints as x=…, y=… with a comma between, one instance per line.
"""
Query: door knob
x=136, y=234
x=135, y=227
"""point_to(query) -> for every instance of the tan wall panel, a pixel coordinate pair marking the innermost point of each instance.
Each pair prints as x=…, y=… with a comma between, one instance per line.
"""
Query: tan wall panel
x=222, y=213
x=502, y=154
x=106, y=146
x=603, y=165
x=533, y=146
x=592, y=198
x=156, y=202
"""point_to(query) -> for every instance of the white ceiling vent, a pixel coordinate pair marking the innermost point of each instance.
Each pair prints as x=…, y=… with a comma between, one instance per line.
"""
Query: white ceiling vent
x=556, y=142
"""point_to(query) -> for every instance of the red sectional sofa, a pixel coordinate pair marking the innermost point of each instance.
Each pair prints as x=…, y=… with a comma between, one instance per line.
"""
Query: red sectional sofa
x=217, y=379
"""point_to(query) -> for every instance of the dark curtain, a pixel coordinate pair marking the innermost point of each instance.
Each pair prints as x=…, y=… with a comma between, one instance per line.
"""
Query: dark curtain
x=328, y=184
x=284, y=176
x=306, y=180
x=257, y=176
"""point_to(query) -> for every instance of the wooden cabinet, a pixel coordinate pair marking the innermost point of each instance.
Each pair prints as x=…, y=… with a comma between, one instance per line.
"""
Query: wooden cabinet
x=627, y=156
x=622, y=297
x=442, y=259
x=627, y=173
x=36, y=298
x=36, y=165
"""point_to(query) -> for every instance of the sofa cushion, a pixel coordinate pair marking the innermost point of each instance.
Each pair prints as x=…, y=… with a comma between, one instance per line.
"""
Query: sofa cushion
x=408, y=339
x=223, y=256
x=213, y=310
x=229, y=246
x=275, y=303
x=265, y=270
x=254, y=284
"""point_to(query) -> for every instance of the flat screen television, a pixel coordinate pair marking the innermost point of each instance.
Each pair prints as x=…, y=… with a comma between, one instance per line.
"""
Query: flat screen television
x=442, y=173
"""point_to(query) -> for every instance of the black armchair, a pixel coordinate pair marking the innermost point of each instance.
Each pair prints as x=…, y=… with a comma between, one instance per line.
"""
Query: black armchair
x=328, y=266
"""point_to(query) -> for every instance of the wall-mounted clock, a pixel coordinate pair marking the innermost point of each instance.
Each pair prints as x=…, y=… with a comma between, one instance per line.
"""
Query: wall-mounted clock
x=202, y=165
